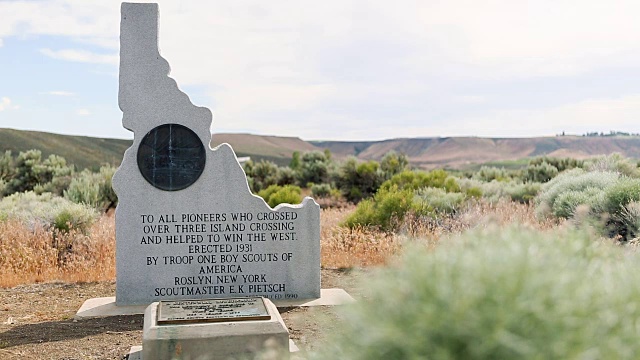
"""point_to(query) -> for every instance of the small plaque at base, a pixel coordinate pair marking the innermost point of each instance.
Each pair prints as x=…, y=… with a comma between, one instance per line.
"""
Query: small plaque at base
x=211, y=310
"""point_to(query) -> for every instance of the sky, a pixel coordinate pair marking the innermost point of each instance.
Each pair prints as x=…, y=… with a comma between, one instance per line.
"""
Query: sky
x=337, y=69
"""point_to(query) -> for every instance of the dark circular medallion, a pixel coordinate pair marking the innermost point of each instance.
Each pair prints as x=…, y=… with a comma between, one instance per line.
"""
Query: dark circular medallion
x=171, y=157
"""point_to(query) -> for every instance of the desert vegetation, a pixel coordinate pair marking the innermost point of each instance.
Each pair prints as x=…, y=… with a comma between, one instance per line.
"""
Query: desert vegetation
x=499, y=293
x=529, y=262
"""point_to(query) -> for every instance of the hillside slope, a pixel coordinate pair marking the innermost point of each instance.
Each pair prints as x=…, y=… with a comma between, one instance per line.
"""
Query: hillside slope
x=454, y=152
x=92, y=152
x=81, y=151
x=459, y=152
x=278, y=149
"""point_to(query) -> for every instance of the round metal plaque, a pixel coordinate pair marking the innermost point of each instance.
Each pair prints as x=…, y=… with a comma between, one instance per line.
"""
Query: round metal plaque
x=171, y=157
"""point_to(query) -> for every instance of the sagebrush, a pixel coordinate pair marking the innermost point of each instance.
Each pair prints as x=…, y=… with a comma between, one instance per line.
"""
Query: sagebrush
x=508, y=293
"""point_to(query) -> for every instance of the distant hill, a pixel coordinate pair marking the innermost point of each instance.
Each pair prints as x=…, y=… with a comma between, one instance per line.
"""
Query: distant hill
x=274, y=148
x=462, y=152
x=454, y=152
x=82, y=151
x=91, y=152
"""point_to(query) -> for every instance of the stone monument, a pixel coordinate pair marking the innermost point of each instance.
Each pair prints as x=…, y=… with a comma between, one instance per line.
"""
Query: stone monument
x=187, y=224
x=205, y=257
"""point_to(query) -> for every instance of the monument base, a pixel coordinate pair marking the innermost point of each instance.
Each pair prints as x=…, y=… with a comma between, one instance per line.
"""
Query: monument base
x=106, y=306
x=136, y=351
x=214, y=340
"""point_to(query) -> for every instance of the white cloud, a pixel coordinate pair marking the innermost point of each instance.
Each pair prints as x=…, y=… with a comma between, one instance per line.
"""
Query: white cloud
x=262, y=59
x=83, y=112
x=545, y=37
x=5, y=104
x=103, y=42
x=333, y=61
x=502, y=38
x=59, y=93
x=80, y=56
x=602, y=114
x=472, y=99
x=75, y=18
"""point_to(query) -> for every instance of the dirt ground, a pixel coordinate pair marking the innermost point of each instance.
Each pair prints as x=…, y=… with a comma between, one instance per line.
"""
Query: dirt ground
x=36, y=321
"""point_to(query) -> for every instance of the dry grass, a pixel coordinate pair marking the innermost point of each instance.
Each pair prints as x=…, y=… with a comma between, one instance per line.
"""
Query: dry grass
x=479, y=214
x=39, y=255
x=342, y=247
x=28, y=255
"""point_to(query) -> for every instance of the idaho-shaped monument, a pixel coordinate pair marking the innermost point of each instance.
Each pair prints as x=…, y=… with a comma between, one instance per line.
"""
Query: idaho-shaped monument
x=187, y=224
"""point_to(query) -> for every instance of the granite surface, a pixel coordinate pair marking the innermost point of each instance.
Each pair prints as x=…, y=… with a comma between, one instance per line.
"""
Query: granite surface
x=211, y=238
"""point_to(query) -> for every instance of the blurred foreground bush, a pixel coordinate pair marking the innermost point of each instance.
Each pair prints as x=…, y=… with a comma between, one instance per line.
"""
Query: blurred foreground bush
x=499, y=294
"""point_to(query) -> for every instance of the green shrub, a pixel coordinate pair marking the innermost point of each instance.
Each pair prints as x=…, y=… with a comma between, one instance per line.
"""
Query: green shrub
x=508, y=293
x=624, y=191
x=25, y=175
x=473, y=192
x=491, y=191
x=84, y=189
x=615, y=163
x=566, y=203
x=285, y=176
x=451, y=184
x=393, y=163
x=263, y=174
x=3, y=187
x=619, y=205
x=540, y=172
x=7, y=169
x=359, y=180
x=607, y=195
x=490, y=173
x=387, y=208
x=107, y=194
x=294, y=164
x=54, y=176
x=629, y=219
x=522, y=193
x=314, y=167
x=561, y=164
x=321, y=190
x=47, y=211
x=30, y=172
x=495, y=190
x=423, y=193
x=56, y=186
x=415, y=180
x=250, y=182
x=572, y=180
x=434, y=201
x=266, y=193
x=93, y=189
x=275, y=195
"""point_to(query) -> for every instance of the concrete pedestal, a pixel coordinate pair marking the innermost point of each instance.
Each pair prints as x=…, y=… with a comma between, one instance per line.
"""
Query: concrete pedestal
x=213, y=341
x=106, y=306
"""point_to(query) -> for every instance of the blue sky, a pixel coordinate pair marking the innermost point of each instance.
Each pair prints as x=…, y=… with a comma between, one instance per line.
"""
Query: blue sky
x=337, y=69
